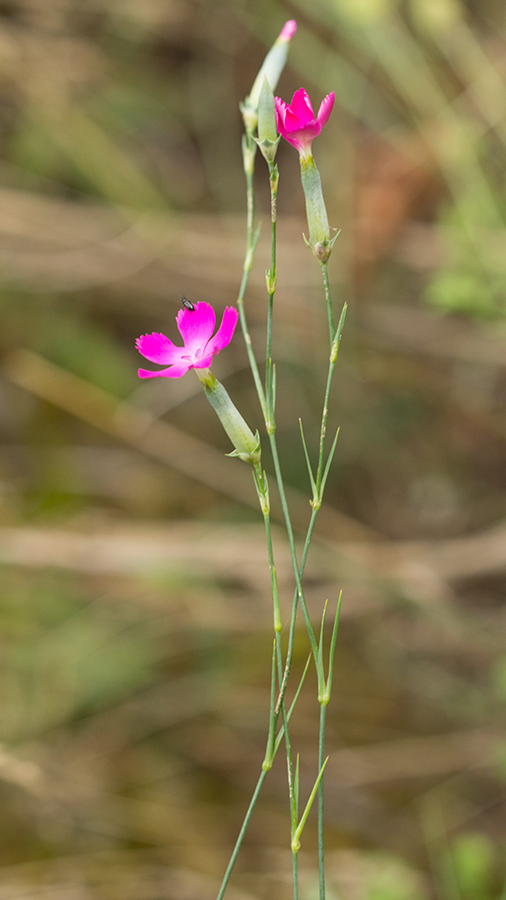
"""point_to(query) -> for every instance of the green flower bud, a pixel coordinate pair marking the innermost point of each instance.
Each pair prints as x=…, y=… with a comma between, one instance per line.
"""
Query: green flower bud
x=266, y=114
x=271, y=69
x=268, y=138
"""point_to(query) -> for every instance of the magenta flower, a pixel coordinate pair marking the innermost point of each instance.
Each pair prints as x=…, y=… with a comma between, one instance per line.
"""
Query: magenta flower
x=297, y=123
x=196, y=327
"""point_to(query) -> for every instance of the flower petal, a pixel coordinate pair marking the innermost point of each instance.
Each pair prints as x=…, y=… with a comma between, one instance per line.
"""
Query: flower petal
x=157, y=348
x=225, y=332
x=297, y=122
x=196, y=326
x=325, y=109
x=175, y=371
x=280, y=105
x=291, y=122
x=301, y=107
x=171, y=372
x=204, y=363
x=280, y=108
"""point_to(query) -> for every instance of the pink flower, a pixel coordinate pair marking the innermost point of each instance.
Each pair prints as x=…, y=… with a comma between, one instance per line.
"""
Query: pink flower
x=297, y=123
x=196, y=327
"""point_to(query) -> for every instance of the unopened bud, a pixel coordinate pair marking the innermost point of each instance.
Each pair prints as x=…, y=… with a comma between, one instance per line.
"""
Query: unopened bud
x=267, y=130
x=271, y=69
x=268, y=138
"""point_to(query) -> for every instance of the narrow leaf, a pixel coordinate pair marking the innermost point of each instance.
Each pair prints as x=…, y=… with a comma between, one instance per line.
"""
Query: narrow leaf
x=328, y=464
x=298, y=831
x=296, y=791
x=271, y=749
x=333, y=647
x=320, y=642
x=292, y=706
x=308, y=462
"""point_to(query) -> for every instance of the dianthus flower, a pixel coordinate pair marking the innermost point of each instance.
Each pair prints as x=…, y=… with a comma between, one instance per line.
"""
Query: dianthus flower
x=299, y=126
x=196, y=327
x=297, y=122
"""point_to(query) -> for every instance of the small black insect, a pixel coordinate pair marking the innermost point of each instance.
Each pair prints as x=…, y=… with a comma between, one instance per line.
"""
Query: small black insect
x=187, y=304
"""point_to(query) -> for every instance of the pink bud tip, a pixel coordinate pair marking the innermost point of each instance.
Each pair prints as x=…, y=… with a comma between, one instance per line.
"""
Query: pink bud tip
x=288, y=30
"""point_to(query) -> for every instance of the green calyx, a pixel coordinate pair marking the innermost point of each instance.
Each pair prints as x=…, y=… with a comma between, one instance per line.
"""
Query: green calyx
x=319, y=241
x=246, y=444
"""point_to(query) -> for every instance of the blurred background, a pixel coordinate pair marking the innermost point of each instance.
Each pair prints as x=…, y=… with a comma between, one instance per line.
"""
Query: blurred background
x=135, y=623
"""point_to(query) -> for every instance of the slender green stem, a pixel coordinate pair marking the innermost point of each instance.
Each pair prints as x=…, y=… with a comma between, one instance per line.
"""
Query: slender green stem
x=275, y=709
x=292, y=796
x=270, y=749
x=299, y=598
x=277, y=743
x=279, y=658
x=328, y=300
x=295, y=869
x=293, y=618
x=252, y=241
x=335, y=341
x=291, y=542
x=321, y=740
x=335, y=337
x=323, y=430
x=321, y=760
x=315, y=506
x=270, y=427
x=282, y=732
x=249, y=149
x=240, y=837
x=271, y=289
x=252, y=235
x=273, y=573
x=266, y=397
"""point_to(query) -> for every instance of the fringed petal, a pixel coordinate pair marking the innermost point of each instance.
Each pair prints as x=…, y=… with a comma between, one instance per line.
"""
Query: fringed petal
x=196, y=326
x=157, y=348
x=325, y=109
x=301, y=108
x=225, y=332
